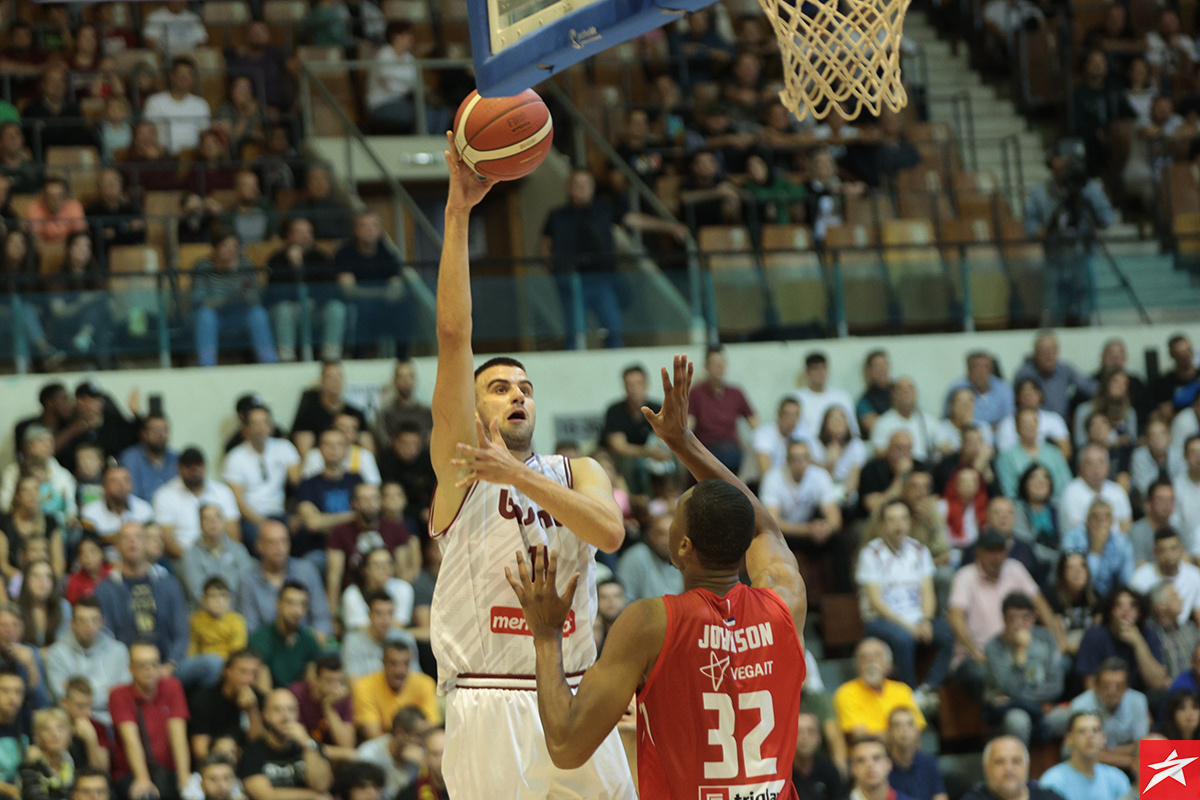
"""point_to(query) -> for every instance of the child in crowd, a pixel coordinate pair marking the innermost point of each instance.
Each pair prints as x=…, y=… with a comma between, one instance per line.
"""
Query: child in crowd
x=93, y=568
x=37, y=548
x=215, y=628
x=89, y=472
x=90, y=744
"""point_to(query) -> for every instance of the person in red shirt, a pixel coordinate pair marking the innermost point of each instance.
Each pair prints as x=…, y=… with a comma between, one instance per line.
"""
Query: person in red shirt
x=717, y=670
x=93, y=569
x=151, y=710
x=715, y=408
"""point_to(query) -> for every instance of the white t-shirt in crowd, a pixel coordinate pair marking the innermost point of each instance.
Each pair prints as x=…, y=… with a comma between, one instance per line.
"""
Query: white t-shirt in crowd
x=1078, y=497
x=358, y=461
x=1186, y=582
x=813, y=406
x=174, y=33
x=768, y=440
x=263, y=475
x=1051, y=428
x=180, y=122
x=97, y=516
x=921, y=426
x=898, y=574
x=797, y=501
x=176, y=506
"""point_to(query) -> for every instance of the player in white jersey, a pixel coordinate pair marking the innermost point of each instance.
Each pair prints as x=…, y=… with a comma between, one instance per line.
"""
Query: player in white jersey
x=495, y=497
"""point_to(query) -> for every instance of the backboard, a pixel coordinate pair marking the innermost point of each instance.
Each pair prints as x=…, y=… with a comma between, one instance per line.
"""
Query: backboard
x=517, y=44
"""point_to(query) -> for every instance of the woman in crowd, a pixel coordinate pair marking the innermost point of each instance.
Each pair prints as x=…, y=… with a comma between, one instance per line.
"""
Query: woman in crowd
x=1113, y=402
x=1029, y=449
x=1109, y=552
x=93, y=568
x=1074, y=598
x=1051, y=426
x=841, y=453
x=79, y=310
x=25, y=521
x=1037, y=517
x=241, y=116
x=46, y=615
x=376, y=573
x=964, y=507
x=56, y=486
x=1180, y=717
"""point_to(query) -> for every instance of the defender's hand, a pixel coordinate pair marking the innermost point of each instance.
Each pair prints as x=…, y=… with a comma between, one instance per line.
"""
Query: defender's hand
x=671, y=422
x=466, y=187
x=545, y=611
x=491, y=461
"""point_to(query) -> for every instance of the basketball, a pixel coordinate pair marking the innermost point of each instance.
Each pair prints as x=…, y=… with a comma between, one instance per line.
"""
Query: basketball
x=503, y=137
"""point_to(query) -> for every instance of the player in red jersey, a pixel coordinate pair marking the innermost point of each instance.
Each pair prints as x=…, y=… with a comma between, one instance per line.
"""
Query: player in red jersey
x=717, y=670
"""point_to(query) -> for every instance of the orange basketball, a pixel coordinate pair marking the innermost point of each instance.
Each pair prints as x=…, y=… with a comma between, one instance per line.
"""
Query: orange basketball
x=503, y=137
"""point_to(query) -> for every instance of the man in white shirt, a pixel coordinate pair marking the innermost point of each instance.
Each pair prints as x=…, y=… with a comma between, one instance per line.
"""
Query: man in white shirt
x=258, y=471
x=393, y=79
x=105, y=515
x=174, y=30
x=771, y=441
x=358, y=461
x=817, y=396
x=177, y=504
x=1187, y=490
x=1093, y=483
x=898, y=602
x=1168, y=566
x=905, y=416
x=180, y=115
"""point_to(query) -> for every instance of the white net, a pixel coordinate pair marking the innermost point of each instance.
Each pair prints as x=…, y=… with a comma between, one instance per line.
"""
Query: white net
x=839, y=55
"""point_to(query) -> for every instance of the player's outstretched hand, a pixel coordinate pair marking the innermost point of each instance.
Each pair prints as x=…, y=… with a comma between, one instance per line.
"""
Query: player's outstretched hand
x=672, y=421
x=491, y=461
x=466, y=187
x=545, y=611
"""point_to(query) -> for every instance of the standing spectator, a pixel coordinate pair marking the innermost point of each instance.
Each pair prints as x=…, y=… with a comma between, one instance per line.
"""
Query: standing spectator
x=1159, y=511
x=286, y=645
x=174, y=29
x=870, y=770
x=1029, y=449
x=715, y=408
x=259, y=469
x=118, y=505
x=226, y=294
x=230, y=708
x=914, y=773
x=54, y=214
x=1168, y=565
x=399, y=405
x=906, y=416
x=1006, y=774
x=91, y=651
x=645, y=567
x=1060, y=381
x=284, y=763
x=814, y=775
x=993, y=397
x=180, y=115
x=369, y=276
x=627, y=433
x=349, y=542
x=319, y=407
x=214, y=554
x=1109, y=553
x=377, y=697
x=1093, y=484
x=817, y=396
x=150, y=717
x=259, y=587
x=177, y=504
x=151, y=462
x=1123, y=632
x=1082, y=774
x=1024, y=674
x=865, y=703
x=300, y=260
x=899, y=605
x=1124, y=713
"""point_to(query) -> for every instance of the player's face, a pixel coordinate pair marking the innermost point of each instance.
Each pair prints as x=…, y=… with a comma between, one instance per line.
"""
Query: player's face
x=505, y=393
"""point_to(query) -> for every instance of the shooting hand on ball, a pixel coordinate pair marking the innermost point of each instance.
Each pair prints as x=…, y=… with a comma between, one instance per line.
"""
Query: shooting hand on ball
x=466, y=187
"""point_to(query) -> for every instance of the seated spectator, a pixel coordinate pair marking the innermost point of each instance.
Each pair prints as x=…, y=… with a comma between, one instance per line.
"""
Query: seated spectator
x=147, y=164
x=115, y=220
x=400, y=405
x=45, y=615
x=1175, y=388
x=55, y=484
x=391, y=84
x=362, y=646
x=1187, y=493
x=1051, y=427
x=280, y=162
x=881, y=152
x=1076, y=500
x=1083, y=774
x=79, y=313
x=1180, y=717
x=914, y=774
x=212, y=169
x=960, y=418
x=318, y=408
x=1114, y=402
x=377, y=697
x=330, y=218
x=883, y=476
x=1002, y=518
x=230, y=708
x=864, y=704
x=1006, y=774
x=197, y=219
x=180, y=114
x=323, y=501
x=48, y=771
x=16, y=161
x=326, y=25
x=816, y=397
x=116, y=129
x=226, y=294
x=358, y=461
x=964, y=507
x=870, y=771
x=93, y=569
x=349, y=542
x=745, y=85
x=899, y=605
x=645, y=567
x=284, y=761
x=804, y=502
x=813, y=774
x=1159, y=510
x=1179, y=638
x=699, y=48
x=905, y=415
x=1109, y=553
x=723, y=133
x=215, y=777
x=827, y=194
x=213, y=554
x=1124, y=712
x=976, y=598
x=840, y=453
x=1156, y=461
x=151, y=710
x=251, y=217
x=1030, y=449
x=116, y=507
x=174, y=30
x=993, y=397
x=258, y=592
x=87, y=650
x=707, y=196
x=1099, y=431
x=1169, y=51
x=399, y=753
x=610, y=602
x=1169, y=565
x=407, y=466
x=368, y=274
x=376, y=573
x=771, y=442
x=151, y=462
x=1024, y=674
x=266, y=66
x=973, y=454
x=1037, y=516
x=14, y=727
x=1060, y=381
x=325, y=706
x=216, y=629
x=626, y=433
x=52, y=116
x=25, y=522
x=299, y=260
x=1123, y=632
x=430, y=784
x=926, y=524
x=240, y=117
x=54, y=214
x=285, y=645
x=179, y=501
x=259, y=469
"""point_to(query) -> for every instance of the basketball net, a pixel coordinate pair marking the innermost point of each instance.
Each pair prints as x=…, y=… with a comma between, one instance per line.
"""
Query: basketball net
x=846, y=50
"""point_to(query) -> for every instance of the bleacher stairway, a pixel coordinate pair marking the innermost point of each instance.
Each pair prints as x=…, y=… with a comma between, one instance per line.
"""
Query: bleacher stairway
x=1168, y=295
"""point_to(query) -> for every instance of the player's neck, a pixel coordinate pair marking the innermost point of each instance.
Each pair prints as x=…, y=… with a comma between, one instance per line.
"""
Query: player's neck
x=719, y=583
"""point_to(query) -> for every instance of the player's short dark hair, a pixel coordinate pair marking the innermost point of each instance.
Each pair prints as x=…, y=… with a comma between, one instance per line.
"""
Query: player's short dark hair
x=499, y=361
x=1016, y=601
x=720, y=523
x=215, y=582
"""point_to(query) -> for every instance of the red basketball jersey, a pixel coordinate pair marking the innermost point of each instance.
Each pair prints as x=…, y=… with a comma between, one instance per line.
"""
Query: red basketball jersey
x=718, y=714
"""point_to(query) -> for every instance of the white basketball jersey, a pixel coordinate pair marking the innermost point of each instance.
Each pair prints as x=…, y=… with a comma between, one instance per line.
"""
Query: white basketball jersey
x=477, y=626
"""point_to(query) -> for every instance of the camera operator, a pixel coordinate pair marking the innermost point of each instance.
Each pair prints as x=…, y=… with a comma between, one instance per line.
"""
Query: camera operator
x=1065, y=213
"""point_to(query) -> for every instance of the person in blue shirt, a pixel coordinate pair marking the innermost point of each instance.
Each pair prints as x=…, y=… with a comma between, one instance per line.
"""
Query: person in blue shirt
x=914, y=773
x=323, y=501
x=1109, y=551
x=150, y=462
x=1123, y=632
x=1082, y=775
x=994, y=399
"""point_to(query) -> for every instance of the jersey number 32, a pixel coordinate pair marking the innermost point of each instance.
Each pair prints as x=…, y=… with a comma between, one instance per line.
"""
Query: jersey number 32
x=723, y=736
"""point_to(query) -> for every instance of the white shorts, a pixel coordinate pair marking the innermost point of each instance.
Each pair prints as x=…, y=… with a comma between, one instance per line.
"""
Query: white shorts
x=496, y=750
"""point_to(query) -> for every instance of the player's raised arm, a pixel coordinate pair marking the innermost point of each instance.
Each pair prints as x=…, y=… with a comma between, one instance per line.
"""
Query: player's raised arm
x=769, y=561
x=454, y=392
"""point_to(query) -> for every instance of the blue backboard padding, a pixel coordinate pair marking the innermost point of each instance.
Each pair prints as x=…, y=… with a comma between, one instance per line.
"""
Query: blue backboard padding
x=566, y=41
